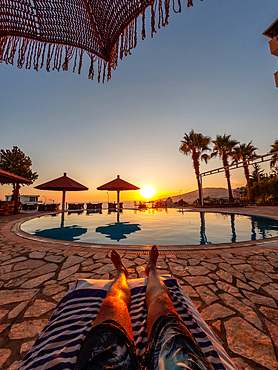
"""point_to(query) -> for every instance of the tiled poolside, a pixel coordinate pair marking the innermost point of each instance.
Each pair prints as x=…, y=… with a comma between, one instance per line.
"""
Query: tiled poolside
x=234, y=287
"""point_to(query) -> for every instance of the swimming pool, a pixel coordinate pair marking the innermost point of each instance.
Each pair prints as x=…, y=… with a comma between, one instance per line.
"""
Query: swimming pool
x=154, y=226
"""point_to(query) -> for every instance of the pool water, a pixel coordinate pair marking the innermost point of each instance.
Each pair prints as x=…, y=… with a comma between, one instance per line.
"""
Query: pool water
x=155, y=226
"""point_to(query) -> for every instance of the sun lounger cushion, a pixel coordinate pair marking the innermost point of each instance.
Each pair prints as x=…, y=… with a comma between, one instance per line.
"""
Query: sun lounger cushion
x=58, y=345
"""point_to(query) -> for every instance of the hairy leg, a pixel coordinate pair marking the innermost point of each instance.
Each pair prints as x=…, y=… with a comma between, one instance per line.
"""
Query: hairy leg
x=158, y=300
x=118, y=298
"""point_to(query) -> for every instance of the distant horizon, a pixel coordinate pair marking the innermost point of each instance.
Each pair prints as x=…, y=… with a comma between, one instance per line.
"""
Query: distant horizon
x=112, y=198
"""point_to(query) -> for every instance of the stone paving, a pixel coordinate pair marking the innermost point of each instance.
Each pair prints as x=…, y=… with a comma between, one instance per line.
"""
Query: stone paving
x=235, y=290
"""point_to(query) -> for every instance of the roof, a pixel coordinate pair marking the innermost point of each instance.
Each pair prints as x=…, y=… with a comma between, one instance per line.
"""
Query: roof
x=118, y=185
x=10, y=178
x=62, y=183
x=272, y=30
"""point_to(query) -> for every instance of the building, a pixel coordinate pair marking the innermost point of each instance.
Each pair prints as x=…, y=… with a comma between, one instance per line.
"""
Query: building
x=25, y=198
x=272, y=33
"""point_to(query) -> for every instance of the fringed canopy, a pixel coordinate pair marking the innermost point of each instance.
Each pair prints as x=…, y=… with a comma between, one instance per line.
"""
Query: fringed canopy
x=52, y=33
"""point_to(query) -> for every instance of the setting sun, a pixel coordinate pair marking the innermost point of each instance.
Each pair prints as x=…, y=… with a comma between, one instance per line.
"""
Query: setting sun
x=147, y=191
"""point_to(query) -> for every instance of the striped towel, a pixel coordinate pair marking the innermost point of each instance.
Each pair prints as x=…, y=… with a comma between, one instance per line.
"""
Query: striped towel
x=59, y=343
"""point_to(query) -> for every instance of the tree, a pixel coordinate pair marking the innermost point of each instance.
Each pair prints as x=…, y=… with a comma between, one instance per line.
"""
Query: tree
x=257, y=174
x=16, y=162
x=274, y=150
x=245, y=152
x=223, y=147
x=195, y=144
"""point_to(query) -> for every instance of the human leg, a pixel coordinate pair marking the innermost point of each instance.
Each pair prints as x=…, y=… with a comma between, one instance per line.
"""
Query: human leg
x=171, y=345
x=118, y=298
x=109, y=344
x=158, y=300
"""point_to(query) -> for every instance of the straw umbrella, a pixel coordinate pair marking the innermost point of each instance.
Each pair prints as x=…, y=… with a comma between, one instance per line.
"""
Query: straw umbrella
x=63, y=184
x=10, y=178
x=118, y=185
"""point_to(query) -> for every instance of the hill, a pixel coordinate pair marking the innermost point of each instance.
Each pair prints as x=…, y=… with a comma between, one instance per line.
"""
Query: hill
x=191, y=196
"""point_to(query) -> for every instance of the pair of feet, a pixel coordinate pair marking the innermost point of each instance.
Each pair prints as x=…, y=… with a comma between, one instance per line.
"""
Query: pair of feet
x=120, y=267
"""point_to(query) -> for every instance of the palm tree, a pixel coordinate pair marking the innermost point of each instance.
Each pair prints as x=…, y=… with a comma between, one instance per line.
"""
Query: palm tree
x=274, y=150
x=245, y=152
x=195, y=144
x=223, y=147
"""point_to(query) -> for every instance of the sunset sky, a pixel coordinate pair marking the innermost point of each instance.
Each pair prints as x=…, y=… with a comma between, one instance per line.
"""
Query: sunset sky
x=209, y=70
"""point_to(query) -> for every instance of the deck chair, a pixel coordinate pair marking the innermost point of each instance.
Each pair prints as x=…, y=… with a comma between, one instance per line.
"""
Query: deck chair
x=59, y=343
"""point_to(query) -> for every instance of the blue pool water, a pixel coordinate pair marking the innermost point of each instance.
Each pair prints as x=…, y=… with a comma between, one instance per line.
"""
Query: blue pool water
x=155, y=226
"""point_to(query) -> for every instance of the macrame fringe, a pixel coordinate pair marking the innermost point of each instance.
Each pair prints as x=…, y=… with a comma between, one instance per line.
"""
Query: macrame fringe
x=56, y=56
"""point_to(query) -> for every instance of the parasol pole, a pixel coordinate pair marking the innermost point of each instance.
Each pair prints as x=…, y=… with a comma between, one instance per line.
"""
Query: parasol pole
x=63, y=200
x=118, y=200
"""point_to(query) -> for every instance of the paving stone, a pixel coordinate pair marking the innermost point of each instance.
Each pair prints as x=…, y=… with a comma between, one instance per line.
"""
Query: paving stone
x=255, y=285
x=45, y=269
x=217, y=325
x=17, y=309
x=273, y=330
x=206, y=294
x=240, y=364
x=37, y=281
x=260, y=299
x=263, y=266
x=4, y=355
x=213, y=287
x=15, y=365
x=2, y=328
x=5, y=269
x=59, y=296
x=245, y=267
x=248, y=313
x=26, y=346
x=231, y=270
x=193, y=261
x=271, y=291
x=198, y=280
x=14, y=274
x=53, y=289
x=244, y=339
x=216, y=311
x=27, y=329
x=78, y=276
x=258, y=277
x=126, y=262
x=91, y=267
x=37, y=254
x=17, y=295
x=214, y=260
x=270, y=313
x=189, y=291
x=197, y=270
x=228, y=288
x=242, y=285
x=68, y=272
x=54, y=258
x=235, y=261
x=14, y=260
x=3, y=313
x=39, y=308
x=29, y=264
x=225, y=275
x=71, y=261
x=210, y=266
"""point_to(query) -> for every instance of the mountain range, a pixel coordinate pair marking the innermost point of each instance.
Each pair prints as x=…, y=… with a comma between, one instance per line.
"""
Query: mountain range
x=191, y=196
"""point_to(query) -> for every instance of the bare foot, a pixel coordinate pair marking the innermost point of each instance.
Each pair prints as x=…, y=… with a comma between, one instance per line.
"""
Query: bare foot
x=117, y=262
x=152, y=259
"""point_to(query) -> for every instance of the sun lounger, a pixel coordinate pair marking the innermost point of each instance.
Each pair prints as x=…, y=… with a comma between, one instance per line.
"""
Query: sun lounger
x=58, y=345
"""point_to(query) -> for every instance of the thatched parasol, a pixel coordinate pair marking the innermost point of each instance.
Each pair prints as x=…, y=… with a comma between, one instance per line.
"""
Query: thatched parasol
x=10, y=178
x=63, y=184
x=118, y=185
